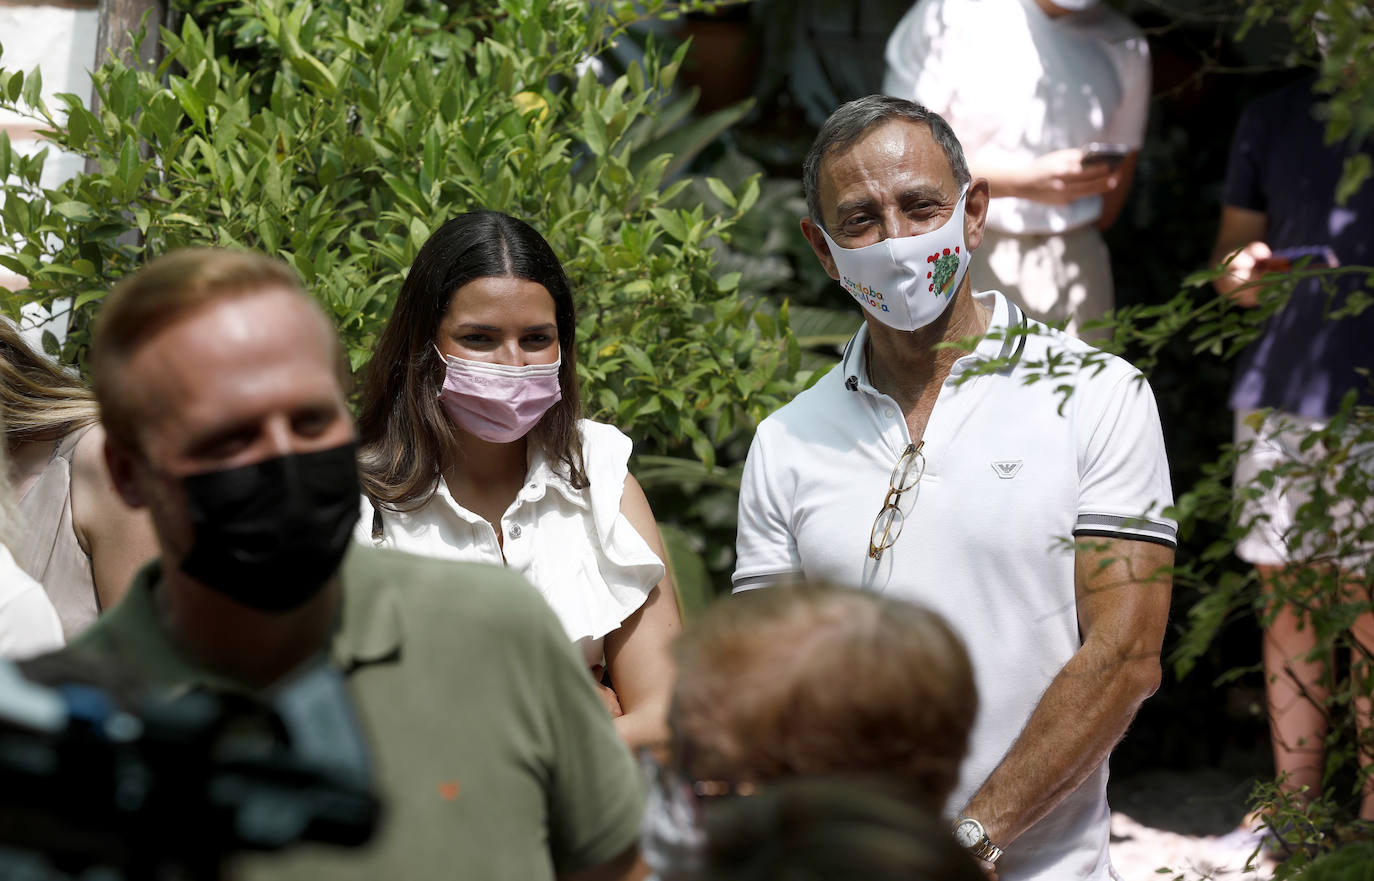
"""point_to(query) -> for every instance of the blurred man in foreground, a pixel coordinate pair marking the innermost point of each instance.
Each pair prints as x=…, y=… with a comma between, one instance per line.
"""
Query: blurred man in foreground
x=218, y=384
x=802, y=683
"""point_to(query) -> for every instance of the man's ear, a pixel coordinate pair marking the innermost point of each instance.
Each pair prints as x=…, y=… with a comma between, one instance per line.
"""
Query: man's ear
x=816, y=238
x=123, y=467
x=976, y=212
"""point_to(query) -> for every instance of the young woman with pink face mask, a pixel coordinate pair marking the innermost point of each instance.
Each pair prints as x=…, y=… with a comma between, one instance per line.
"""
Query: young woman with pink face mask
x=472, y=449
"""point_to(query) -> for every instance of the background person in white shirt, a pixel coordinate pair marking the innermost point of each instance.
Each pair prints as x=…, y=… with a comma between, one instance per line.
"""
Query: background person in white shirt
x=908, y=470
x=1027, y=85
x=472, y=449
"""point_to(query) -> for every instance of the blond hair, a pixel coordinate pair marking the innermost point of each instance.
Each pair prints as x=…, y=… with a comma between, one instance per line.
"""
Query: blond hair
x=9, y=515
x=39, y=401
x=820, y=680
x=159, y=295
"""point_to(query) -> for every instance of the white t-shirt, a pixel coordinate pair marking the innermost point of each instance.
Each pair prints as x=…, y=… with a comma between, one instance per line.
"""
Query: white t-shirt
x=574, y=545
x=1015, y=84
x=28, y=622
x=1009, y=477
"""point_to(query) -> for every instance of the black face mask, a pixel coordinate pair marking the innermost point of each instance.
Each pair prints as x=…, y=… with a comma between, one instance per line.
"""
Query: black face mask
x=270, y=535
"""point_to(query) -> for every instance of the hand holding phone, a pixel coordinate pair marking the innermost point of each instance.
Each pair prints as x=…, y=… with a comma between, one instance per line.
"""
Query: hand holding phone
x=1110, y=154
x=1317, y=256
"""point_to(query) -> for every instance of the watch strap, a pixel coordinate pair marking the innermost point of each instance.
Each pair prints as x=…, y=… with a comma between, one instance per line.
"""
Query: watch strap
x=986, y=850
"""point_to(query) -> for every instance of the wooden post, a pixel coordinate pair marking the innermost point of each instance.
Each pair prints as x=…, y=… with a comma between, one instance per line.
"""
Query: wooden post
x=119, y=20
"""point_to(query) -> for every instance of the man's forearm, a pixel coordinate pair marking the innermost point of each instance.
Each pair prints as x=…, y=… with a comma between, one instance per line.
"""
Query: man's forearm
x=1080, y=718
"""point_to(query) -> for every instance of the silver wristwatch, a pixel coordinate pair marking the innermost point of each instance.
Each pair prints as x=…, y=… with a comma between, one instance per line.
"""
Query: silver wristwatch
x=974, y=839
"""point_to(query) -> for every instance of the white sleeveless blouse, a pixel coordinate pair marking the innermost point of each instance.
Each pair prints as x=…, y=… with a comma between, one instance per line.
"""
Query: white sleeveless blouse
x=574, y=545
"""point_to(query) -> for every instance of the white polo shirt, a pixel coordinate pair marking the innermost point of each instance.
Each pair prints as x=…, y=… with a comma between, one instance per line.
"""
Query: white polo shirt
x=1015, y=83
x=1013, y=471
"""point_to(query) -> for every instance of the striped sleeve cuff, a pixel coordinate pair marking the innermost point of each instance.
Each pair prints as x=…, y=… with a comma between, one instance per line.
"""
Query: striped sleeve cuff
x=754, y=582
x=1132, y=528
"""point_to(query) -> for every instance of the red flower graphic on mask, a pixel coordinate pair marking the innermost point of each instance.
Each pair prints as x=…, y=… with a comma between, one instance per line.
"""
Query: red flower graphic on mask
x=942, y=276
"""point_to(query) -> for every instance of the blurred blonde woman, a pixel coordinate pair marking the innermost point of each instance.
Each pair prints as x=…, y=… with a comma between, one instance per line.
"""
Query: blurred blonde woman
x=79, y=540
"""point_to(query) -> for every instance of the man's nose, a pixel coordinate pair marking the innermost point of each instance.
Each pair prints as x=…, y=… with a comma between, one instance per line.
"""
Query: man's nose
x=280, y=439
x=897, y=225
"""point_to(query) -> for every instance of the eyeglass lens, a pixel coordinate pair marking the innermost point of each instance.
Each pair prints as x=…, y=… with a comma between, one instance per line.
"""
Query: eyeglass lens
x=886, y=528
x=908, y=470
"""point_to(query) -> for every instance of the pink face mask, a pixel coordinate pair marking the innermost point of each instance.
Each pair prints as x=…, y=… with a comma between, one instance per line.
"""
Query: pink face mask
x=497, y=402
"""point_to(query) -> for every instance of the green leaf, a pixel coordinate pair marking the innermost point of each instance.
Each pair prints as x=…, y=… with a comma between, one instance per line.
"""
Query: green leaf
x=123, y=93
x=314, y=72
x=15, y=86
x=594, y=130
x=190, y=101
x=129, y=172
x=406, y=191
x=638, y=358
x=751, y=195
x=673, y=223
x=6, y=155
x=33, y=88
x=78, y=211
x=78, y=126
x=721, y=191
x=1357, y=170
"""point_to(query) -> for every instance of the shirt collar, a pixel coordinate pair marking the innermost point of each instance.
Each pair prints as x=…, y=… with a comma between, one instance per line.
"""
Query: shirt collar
x=1004, y=340
x=542, y=476
x=370, y=626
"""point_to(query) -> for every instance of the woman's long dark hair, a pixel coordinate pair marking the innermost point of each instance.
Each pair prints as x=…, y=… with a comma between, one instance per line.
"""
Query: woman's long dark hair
x=406, y=439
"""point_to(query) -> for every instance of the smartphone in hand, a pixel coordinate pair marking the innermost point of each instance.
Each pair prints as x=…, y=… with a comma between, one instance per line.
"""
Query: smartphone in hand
x=1317, y=257
x=1111, y=154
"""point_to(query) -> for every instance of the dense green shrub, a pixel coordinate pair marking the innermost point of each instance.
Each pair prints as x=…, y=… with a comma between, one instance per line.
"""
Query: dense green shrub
x=338, y=135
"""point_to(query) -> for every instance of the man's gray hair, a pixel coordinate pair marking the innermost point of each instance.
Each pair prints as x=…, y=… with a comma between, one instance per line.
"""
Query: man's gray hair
x=853, y=120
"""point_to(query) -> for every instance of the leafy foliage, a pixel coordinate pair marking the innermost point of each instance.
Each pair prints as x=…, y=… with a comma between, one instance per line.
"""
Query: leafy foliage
x=339, y=135
x=1343, y=34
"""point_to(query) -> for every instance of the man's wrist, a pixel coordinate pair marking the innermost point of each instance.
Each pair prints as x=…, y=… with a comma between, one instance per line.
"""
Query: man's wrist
x=972, y=837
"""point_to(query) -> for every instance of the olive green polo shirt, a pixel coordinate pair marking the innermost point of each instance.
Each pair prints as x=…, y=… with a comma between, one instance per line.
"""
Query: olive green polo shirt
x=495, y=757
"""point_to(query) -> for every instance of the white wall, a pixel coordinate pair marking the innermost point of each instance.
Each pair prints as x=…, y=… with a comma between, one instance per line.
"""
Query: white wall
x=59, y=39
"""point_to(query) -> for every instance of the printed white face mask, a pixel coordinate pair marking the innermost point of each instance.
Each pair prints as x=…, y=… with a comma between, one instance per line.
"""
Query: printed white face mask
x=907, y=282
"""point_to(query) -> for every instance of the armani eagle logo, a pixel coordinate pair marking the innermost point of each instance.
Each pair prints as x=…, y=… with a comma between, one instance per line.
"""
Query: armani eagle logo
x=1007, y=469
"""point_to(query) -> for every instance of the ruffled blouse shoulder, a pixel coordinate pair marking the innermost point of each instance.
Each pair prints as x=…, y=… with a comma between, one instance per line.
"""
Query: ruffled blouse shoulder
x=625, y=568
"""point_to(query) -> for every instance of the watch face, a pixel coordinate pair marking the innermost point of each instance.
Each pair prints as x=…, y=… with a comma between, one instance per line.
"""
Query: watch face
x=968, y=833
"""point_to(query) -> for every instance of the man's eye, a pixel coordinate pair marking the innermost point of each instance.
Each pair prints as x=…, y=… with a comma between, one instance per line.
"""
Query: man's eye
x=312, y=424
x=224, y=446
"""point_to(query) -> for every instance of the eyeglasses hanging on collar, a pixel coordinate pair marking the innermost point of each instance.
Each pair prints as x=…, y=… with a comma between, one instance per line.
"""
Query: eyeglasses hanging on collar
x=888, y=524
